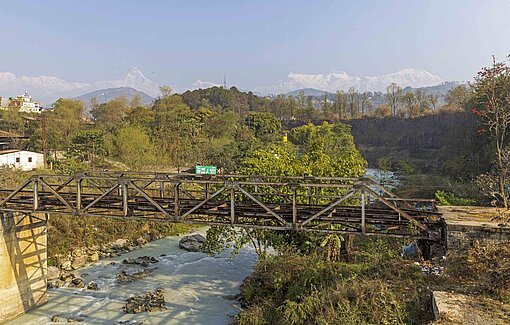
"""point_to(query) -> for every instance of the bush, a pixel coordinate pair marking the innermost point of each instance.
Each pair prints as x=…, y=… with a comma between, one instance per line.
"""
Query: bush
x=447, y=198
x=292, y=288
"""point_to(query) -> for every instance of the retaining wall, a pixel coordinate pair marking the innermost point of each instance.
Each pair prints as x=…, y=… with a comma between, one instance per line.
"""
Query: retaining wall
x=461, y=236
x=23, y=263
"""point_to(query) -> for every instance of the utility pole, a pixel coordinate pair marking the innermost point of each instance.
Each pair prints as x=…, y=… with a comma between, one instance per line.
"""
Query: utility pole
x=43, y=134
x=42, y=121
x=225, y=82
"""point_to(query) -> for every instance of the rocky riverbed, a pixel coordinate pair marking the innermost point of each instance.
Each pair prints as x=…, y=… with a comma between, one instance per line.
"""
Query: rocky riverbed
x=177, y=286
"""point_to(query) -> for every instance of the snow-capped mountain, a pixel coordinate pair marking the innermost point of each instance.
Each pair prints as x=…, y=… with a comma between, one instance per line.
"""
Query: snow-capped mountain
x=47, y=89
x=134, y=79
x=332, y=82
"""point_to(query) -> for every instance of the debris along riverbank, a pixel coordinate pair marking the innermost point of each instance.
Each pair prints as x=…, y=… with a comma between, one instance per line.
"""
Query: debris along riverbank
x=196, y=287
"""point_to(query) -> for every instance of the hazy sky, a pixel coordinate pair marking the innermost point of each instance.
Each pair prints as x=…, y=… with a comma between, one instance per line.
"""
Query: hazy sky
x=254, y=42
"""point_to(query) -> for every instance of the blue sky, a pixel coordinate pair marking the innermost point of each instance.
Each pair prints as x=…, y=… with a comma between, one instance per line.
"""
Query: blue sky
x=254, y=42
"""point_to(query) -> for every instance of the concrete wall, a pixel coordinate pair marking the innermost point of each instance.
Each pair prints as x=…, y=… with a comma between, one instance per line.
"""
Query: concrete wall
x=461, y=236
x=23, y=263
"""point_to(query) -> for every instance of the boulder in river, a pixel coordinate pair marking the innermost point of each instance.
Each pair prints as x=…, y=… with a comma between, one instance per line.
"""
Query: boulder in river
x=192, y=243
x=92, y=286
x=66, y=265
x=151, y=301
x=141, y=260
x=132, y=275
x=77, y=283
x=94, y=257
x=53, y=273
x=78, y=262
x=120, y=243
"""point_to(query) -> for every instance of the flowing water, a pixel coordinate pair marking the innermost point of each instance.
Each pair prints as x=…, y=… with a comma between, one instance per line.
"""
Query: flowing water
x=386, y=178
x=199, y=289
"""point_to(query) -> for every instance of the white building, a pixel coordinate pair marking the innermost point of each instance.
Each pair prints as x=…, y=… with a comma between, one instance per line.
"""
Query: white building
x=4, y=103
x=21, y=159
x=24, y=103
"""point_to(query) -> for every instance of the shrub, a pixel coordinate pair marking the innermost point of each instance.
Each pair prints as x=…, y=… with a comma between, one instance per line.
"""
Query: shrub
x=447, y=198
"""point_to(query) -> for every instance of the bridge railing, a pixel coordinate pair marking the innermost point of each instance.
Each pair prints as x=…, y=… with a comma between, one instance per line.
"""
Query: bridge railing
x=325, y=204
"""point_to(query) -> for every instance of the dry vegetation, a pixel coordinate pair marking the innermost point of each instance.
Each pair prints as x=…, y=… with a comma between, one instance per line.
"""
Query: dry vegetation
x=376, y=286
x=66, y=233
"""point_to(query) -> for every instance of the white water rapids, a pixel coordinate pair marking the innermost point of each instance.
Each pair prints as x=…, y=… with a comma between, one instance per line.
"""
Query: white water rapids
x=198, y=288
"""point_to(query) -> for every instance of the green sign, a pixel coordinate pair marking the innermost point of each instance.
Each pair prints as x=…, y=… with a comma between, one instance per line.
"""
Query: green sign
x=209, y=170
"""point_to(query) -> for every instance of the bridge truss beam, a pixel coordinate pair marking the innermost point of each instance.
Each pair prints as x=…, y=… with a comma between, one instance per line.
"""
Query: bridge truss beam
x=320, y=204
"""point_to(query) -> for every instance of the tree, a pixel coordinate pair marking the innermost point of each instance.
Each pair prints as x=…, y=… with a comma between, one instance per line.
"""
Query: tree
x=340, y=104
x=292, y=107
x=492, y=96
x=409, y=102
x=457, y=97
x=133, y=146
x=365, y=103
x=352, y=102
x=301, y=102
x=165, y=91
x=87, y=145
x=325, y=150
x=433, y=100
x=13, y=120
x=382, y=110
x=393, y=94
x=309, y=110
x=110, y=115
x=63, y=122
x=264, y=125
x=175, y=130
x=326, y=107
x=423, y=101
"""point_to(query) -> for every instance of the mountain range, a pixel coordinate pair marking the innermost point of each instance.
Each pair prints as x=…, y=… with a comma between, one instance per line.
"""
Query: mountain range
x=47, y=89
x=332, y=82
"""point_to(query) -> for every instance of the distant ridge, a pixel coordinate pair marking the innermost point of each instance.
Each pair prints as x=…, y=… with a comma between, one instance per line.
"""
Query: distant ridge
x=439, y=90
x=48, y=89
x=104, y=95
x=307, y=92
x=332, y=82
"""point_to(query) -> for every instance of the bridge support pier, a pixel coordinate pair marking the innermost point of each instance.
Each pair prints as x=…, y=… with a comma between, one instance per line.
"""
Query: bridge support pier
x=23, y=263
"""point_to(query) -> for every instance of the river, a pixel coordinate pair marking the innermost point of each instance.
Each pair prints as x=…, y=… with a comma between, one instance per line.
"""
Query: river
x=198, y=288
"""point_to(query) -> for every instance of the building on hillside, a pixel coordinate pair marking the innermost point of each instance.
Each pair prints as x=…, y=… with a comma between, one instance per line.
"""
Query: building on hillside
x=24, y=103
x=21, y=159
x=4, y=102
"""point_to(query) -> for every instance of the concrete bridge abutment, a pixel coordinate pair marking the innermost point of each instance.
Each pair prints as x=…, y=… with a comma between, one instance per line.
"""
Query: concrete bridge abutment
x=23, y=263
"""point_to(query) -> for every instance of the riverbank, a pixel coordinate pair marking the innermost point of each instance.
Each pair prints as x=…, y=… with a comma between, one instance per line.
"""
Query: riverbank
x=198, y=289
x=377, y=286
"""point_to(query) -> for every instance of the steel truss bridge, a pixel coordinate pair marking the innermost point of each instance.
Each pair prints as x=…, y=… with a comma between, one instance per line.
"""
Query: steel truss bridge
x=320, y=204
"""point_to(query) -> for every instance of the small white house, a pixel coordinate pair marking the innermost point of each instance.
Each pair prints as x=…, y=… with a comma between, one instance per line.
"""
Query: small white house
x=21, y=159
